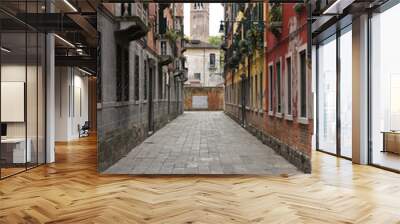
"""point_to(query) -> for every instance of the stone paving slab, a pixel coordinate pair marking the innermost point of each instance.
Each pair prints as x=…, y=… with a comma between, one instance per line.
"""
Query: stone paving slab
x=202, y=143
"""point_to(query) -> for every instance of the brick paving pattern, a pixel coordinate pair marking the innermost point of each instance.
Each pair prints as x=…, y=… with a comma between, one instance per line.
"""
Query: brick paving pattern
x=202, y=143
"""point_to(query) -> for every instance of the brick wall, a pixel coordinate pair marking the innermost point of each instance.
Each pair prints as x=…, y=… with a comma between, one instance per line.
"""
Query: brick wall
x=215, y=97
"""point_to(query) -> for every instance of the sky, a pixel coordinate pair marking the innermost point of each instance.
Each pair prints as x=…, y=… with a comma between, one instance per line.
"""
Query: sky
x=216, y=15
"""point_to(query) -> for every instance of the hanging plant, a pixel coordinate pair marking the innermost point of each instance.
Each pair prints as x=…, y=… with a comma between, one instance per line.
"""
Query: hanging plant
x=276, y=28
x=275, y=20
x=244, y=47
x=173, y=35
x=260, y=36
x=235, y=41
x=276, y=13
x=236, y=58
x=251, y=36
x=299, y=7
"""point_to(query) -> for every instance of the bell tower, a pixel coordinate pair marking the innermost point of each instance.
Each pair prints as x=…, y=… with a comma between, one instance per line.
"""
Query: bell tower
x=199, y=21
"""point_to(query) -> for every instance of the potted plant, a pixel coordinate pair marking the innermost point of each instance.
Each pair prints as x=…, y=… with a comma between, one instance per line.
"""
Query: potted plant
x=299, y=7
x=275, y=20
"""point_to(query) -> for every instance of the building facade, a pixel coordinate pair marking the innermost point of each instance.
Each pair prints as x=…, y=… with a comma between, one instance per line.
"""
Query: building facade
x=142, y=74
x=203, y=63
x=268, y=77
x=289, y=119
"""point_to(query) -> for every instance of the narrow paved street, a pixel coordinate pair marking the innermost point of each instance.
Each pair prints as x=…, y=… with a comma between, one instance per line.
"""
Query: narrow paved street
x=202, y=143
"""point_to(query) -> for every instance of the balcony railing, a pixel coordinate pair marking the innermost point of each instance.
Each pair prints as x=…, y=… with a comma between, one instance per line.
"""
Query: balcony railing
x=127, y=10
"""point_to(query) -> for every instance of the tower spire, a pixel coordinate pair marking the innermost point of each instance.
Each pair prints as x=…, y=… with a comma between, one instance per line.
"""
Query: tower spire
x=199, y=21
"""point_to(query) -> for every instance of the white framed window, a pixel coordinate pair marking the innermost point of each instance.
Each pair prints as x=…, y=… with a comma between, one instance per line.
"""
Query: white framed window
x=255, y=92
x=278, y=92
x=212, y=60
x=288, y=87
x=302, y=105
x=261, y=90
x=270, y=88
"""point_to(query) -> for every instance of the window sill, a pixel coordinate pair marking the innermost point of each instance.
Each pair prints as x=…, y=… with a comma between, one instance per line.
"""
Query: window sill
x=122, y=104
x=278, y=115
x=302, y=120
x=271, y=113
x=289, y=117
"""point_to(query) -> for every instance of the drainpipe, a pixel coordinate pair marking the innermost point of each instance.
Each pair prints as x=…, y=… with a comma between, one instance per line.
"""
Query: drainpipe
x=309, y=32
x=243, y=96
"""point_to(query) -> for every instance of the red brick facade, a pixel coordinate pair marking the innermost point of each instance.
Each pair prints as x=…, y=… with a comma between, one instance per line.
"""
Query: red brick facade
x=281, y=128
x=293, y=38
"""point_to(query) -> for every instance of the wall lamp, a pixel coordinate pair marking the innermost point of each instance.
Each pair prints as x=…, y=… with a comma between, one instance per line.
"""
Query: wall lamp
x=5, y=50
x=85, y=72
x=70, y=6
x=64, y=40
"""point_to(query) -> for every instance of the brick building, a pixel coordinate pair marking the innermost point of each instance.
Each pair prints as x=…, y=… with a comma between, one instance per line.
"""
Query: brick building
x=268, y=83
x=289, y=97
x=141, y=74
x=244, y=59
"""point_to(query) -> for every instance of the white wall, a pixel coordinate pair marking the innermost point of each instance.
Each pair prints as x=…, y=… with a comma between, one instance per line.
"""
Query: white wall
x=33, y=126
x=71, y=102
x=16, y=73
x=198, y=61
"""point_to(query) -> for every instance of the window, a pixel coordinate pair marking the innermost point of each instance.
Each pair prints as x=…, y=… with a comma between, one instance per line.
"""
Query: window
x=125, y=90
x=119, y=74
x=198, y=6
x=385, y=88
x=289, y=86
x=166, y=81
x=271, y=86
x=163, y=48
x=212, y=60
x=145, y=81
x=160, y=85
x=345, y=93
x=261, y=90
x=197, y=76
x=278, y=87
x=255, y=91
x=126, y=9
x=303, y=84
x=137, y=76
x=327, y=96
x=122, y=74
x=249, y=92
